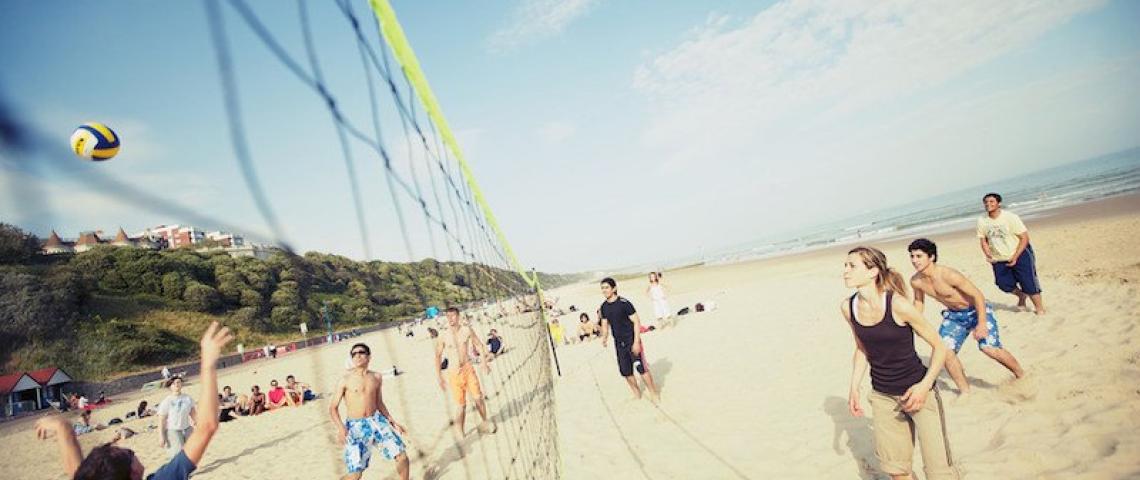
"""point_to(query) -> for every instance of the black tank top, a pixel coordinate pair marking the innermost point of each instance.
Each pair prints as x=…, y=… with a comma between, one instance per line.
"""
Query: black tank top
x=895, y=365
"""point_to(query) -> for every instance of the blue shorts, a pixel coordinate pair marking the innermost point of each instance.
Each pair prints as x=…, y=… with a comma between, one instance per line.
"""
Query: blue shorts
x=958, y=324
x=1022, y=275
x=368, y=432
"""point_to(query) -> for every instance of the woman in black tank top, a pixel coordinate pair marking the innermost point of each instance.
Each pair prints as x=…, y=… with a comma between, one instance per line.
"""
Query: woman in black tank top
x=884, y=323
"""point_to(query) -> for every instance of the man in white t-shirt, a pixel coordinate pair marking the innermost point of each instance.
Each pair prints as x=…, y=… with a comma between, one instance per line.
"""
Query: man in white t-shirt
x=175, y=417
x=1005, y=242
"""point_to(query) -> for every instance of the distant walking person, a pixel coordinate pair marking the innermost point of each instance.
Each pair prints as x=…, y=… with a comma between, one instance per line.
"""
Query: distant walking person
x=1005, y=242
x=656, y=292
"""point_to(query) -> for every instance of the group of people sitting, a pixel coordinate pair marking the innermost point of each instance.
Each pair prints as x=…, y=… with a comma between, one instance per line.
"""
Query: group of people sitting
x=75, y=401
x=292, y=394
x=587, y=329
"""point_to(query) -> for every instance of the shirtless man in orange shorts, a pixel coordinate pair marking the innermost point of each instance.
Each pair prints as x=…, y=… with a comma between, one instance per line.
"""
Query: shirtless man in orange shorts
x=454, y=343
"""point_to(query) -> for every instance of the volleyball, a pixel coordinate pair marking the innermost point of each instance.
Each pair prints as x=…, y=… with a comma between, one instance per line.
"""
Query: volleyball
x=94, y=141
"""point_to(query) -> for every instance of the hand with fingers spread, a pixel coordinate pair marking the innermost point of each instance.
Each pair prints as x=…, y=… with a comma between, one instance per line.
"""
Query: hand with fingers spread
x=213, y=341
x=48, y=426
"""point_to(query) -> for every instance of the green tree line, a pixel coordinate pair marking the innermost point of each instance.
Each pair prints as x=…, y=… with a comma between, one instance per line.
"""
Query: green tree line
x=98, y=312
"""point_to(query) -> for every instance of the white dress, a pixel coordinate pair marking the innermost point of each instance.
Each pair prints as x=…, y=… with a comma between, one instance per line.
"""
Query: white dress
x=660, y=304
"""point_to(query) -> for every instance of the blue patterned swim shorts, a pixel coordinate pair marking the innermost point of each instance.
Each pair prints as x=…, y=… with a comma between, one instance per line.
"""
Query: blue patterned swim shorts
x=367, y=432
x=958, y=324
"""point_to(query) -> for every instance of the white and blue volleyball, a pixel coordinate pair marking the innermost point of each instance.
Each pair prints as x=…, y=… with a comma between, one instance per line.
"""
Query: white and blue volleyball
x=94, y=141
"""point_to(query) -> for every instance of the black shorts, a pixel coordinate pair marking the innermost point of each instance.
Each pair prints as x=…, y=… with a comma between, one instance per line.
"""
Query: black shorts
x=627, y=361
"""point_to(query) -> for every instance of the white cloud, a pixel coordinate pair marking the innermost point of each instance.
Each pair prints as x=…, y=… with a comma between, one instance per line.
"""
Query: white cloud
x=809, y=68
x=535, y=20
x=556, y=132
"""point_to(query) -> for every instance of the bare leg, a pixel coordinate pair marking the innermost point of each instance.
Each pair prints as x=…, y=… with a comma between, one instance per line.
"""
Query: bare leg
x=1020, y=297
x=902, y=477
x=1005, y=359
x=633, y=386
x=402, y=465
x=1038, y=304
x=481, y=407
x=649, y=385
x=353, y=476
x=957, y=372
x=460, y=418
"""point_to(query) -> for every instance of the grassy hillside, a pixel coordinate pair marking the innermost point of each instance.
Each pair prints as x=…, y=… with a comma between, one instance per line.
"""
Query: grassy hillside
x=114, y=310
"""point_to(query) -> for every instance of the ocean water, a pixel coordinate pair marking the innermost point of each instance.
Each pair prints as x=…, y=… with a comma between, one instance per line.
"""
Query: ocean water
x=1028, y=195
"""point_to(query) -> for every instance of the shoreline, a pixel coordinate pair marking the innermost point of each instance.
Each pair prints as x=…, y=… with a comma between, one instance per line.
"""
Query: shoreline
x=1101, y=208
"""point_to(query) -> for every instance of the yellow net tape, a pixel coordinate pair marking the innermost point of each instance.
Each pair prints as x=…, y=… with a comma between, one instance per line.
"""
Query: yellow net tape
x=394, y=35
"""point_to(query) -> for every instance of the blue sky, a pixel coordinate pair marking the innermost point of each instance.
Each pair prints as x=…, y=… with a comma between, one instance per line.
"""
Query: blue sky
x=604, y=133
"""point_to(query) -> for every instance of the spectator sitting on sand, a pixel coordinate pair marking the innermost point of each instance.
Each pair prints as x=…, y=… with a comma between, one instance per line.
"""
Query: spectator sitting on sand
x=277, y=396
x=257, y=401
x=301, y=392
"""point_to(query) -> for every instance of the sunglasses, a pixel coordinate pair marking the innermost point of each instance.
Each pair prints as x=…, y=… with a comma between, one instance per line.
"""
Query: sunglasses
x=359, y=352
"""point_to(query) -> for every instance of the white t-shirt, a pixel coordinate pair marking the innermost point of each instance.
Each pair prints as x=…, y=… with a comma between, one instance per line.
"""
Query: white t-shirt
x=82, y=402
x=177, y=410
x=1002, y=234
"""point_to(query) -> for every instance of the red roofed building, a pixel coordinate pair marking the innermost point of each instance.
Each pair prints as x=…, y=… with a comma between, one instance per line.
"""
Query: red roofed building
x=52, y=380
x=55, y=245
x=122, y=240
x=19, y=392
x=87, y=241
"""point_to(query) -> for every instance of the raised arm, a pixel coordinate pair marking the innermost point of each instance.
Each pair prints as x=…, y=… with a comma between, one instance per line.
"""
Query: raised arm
x=213, y=341
x=915, y=396
x=70, y=455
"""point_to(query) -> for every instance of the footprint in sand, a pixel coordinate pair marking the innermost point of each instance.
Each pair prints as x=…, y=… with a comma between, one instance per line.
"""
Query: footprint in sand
x=1019, y=390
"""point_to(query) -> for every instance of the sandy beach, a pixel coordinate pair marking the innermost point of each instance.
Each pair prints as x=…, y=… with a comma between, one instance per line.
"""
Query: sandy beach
x=754, y=389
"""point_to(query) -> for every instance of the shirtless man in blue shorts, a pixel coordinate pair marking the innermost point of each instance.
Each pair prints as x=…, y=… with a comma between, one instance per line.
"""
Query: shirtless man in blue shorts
x=963, y=303
x=369, y=424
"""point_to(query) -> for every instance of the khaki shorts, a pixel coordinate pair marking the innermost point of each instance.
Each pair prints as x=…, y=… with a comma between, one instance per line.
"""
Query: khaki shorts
x=895, y=432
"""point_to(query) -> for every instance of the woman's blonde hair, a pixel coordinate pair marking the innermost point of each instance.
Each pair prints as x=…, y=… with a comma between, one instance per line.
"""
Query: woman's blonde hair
x=888, y=278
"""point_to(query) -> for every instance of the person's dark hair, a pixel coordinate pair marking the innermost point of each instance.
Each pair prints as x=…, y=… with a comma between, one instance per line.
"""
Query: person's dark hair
x=365, y=347
x=433, y=332
x=227, y=387
x=997, y=196
x=454, y=310
x=171, y=380
x=584, y=317
x=609, y=281
x=926, y=246
x=106, y=462
x=290, y=377
x=142, y=408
